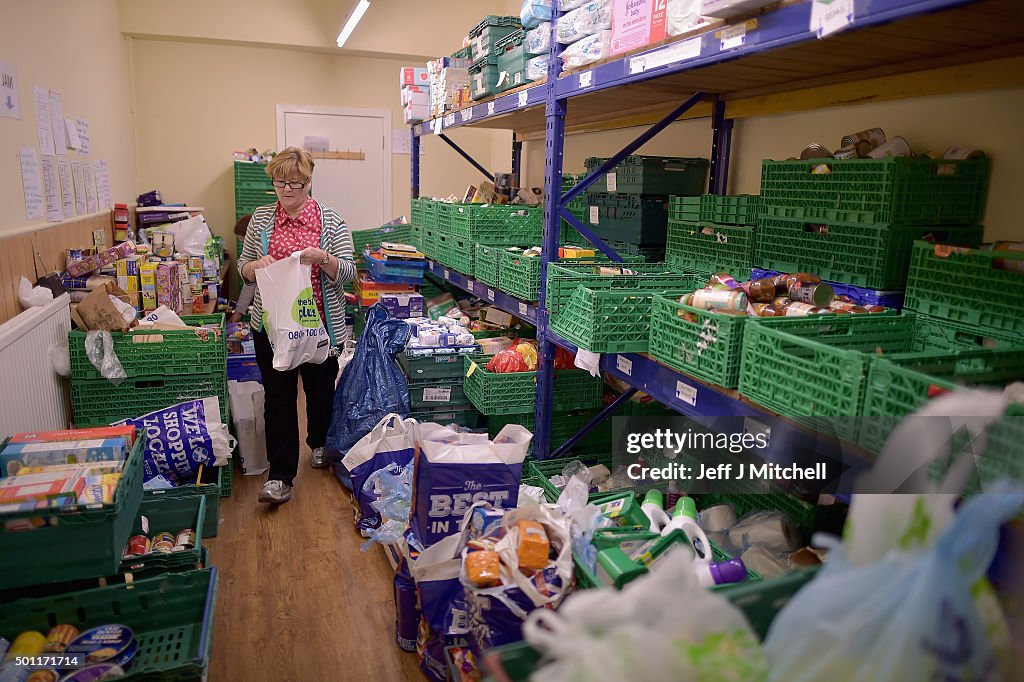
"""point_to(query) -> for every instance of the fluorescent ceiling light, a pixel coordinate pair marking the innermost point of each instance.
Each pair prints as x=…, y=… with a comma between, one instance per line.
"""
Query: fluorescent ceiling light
x=353, y=19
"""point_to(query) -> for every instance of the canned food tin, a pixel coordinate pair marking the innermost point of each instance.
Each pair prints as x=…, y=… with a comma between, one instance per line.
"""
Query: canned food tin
x=43, y=675
x=137, y=546
x=796, y=309
x=897, y=146
x=847, y=153
x=715, y=299
x=874, y=136
x=819, y=294
x=1012, y=264
x=186, y=539
x=28, y=643
x=164, y=537
x=96, y=673
x=163, y=547
x=962, y=153
x=59, y=638
x=815, y=151
x=104, y=644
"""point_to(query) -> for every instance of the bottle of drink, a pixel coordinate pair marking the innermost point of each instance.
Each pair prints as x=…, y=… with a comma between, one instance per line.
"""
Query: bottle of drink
x=712, y=299
x=685, y=519
x=760, y=290
x=796, y=309
x=653, y=507
x=720, y=573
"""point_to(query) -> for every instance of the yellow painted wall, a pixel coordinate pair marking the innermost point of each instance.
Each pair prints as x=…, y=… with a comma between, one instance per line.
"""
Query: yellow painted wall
x=225, y=99
x=73, y=48
x=986, y=120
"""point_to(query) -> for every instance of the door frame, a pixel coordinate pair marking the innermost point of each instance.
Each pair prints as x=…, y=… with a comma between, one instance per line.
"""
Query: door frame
x=383, y=114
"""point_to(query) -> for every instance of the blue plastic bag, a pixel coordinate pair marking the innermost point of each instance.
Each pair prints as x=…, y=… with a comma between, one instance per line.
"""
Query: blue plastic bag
x=372, y=386
x=910, y=616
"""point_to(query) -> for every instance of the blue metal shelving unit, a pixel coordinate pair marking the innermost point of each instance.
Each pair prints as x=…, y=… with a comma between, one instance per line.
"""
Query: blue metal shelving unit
x=688, y=66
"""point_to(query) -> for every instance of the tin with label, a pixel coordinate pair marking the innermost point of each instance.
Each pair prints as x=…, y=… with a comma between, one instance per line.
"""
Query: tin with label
x=105, y=644
x=186, y=539
x=874, y=136
x=95, y=673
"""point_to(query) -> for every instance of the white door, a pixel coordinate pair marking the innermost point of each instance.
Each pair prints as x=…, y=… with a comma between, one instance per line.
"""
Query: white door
x=359, y=190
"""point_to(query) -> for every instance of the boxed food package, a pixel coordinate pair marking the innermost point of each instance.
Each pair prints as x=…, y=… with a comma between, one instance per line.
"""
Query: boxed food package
x=533, y=547
x=147, y=283
x=368, y=292
x=129, y=265
x=17, y=455
x=483, y=568
x=413, y=75
x=129, y=283
x=87, y=264
x=167, y=285
x=53, y=488
x=636, y=23
x=498, y=317
x=184, y=288
x=412, y=113
x=416, y=94
x=403, y=305
x=127, y=432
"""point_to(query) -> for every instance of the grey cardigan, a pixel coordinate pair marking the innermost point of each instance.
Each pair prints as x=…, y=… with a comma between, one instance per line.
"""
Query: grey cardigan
x=335, y=239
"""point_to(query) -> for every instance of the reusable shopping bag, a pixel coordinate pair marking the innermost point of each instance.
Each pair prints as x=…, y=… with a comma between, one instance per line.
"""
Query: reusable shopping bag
x=290, y=314
x=391, y=441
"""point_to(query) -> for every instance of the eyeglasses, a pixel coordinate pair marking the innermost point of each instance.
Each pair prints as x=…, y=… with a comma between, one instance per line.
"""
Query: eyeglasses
x=281, y=184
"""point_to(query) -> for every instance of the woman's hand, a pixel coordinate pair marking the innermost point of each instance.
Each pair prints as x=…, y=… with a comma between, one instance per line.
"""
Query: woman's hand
x=312, y=256
x=258, y=265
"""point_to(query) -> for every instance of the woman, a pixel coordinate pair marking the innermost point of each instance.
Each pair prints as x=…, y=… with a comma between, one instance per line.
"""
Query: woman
x=297, y=223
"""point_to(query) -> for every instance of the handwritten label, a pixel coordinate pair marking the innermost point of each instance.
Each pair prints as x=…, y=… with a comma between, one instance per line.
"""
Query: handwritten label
x=523, y=97
x=447, y=274
x=586, y=79
x=437, y=125
x=490, y=295
x=613, y=182
x=437, y=395
x=686, y=393
x=594, y=210
x=734, y=36
x=467, y=115
x=624, y=365
x=831, y=16
x=449, y=120
x=490, y=108
x=677, y=52
x=523, y=309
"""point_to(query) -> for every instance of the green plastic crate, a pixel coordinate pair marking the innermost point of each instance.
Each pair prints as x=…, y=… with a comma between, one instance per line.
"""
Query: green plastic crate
x=429, y=244
x=519, y=276
x=149, y=353
x=456, y=253
x=936, y=333
x=628, y=217
x=506, y=225
x=171, y=617
x=563, y=278
x=874, y=256
x=594, y=448
x=644, y=254
x=209, y=488
x=484, y=36
x=99, y=402
x=417, y=367
x=372, y=238
x=710, y=347
x=485, y=264
x=971, y=286
x=427, y=394
x=687, y=208
x=896, y=190
x=514, y=393
x=464, y=53
x=483, y=78
x=65, y=545
x=606, y=321
x=740, y=209
x=707, y=247
x=543, y=469
x=661, y=175
x=512, y=60
x=253, y=187
x=899, y=384
x=172, y=515
x=810, y=517
x=466, y=416
x=416, y=211
x=227, y=476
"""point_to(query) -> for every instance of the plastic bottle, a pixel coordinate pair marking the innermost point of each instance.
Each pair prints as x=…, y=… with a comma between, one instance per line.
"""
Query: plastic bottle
x=720, y=573
x=685, y=519
x=759, y=290
x=654, y=509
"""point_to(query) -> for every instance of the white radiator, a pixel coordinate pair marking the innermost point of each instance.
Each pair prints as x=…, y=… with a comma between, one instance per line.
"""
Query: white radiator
x=33, y=397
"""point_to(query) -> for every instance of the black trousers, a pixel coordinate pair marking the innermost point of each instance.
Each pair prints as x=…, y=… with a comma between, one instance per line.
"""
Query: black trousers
x=281, y=408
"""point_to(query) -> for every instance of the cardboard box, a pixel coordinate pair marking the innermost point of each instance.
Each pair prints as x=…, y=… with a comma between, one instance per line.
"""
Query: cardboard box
x=368, y=292
x=129, y=266
x=129, y=283
x=416, y=94
x=412, y=113
x=636, y=23
x=439, y=305
x=147, y=281
x=127, y=432
x=403, y=306
x=80, y=268
x=167, y=292
x=97, y=311
x=184, y=289
x=62, y=487
x=413, y=75
x=16, y=455
x=498, y=317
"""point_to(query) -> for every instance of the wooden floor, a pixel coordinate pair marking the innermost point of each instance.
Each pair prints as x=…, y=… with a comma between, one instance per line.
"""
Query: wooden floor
x=297, y=598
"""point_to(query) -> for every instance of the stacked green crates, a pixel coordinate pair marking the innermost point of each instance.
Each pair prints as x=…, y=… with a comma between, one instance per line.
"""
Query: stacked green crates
x=511, y=61
x=163, y=369
x=252, y=187
x=706, y=247
x=486, y=264
x=435, y=381
x=495, y=393
x=854, y=221
x=483, y=78
x=483, y=37
x=462, y=226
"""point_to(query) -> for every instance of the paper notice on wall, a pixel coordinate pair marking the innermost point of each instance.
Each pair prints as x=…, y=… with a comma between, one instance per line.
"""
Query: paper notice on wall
x=9, y=104
x=831, y=16
x=71, y=133
x=67, y=189
x=83, y=135
x=60, y=141
x=79, y=182
x=31, y=184
x=102, y=170
x=51, y=189
x=90, y=186
x=43, y=122
x=316, y=143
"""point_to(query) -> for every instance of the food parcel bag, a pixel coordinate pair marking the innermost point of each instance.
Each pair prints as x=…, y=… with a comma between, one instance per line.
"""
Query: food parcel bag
x=391, y=441
x=454, y=470
x=247, y=400
x=290, y=315
x=372, y=386
x=497, y=614
x=181, y=437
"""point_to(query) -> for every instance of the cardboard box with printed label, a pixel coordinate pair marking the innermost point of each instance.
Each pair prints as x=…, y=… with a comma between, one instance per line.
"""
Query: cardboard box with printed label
x=130, y=283
x=403, y=306
x=637, y=23
x=167, y=285
x=498, y=317
x=147, y=281
x=416, y=94
x=413, y=75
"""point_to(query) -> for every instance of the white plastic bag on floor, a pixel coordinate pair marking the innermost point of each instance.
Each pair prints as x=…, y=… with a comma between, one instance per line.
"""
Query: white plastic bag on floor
x=293, y=323
x=247, y=412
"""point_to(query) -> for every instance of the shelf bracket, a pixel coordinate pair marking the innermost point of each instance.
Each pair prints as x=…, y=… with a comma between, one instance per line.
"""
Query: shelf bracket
x=721, y=149
x=587, y=234
x=517, y=160
x=415, y=164
x=608, y=411
x=467, y=157
x=640, y=141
